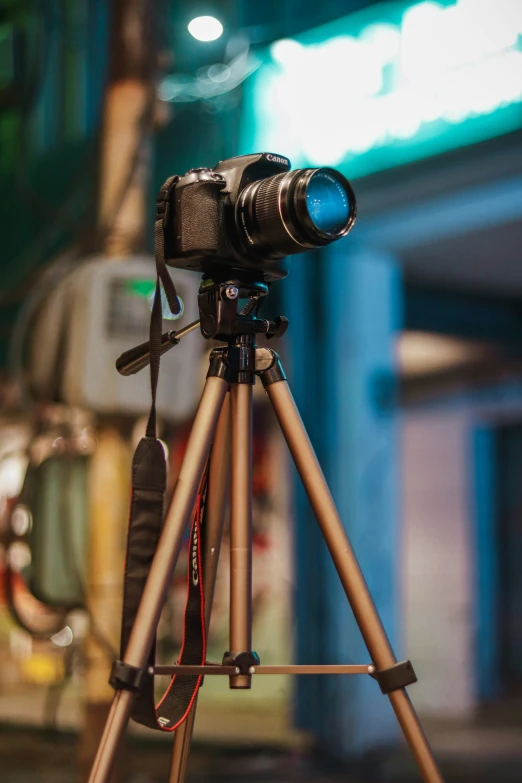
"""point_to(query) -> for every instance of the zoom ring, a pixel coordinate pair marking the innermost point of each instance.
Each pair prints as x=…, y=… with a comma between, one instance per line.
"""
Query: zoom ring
x=268, y=216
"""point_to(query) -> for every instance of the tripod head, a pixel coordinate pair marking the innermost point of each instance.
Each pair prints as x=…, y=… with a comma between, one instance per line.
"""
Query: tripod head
x=218, y=300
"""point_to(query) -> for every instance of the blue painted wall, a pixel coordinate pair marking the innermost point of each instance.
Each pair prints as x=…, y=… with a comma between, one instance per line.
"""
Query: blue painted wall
x=483, y=486
x=344, y=376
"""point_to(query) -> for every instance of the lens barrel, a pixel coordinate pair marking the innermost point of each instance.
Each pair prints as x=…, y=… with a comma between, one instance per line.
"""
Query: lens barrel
x=296, y=211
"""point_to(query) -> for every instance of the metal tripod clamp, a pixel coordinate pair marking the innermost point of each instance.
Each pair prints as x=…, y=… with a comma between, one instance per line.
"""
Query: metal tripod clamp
x=244, y=661
x=126, y=677
x=240, y=363
x=396, y=677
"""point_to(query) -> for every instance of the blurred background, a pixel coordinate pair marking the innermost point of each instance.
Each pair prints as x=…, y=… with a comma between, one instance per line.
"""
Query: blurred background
x=404, y=354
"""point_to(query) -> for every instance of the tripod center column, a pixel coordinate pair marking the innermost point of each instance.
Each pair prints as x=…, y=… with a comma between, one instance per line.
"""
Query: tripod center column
x=241, y=528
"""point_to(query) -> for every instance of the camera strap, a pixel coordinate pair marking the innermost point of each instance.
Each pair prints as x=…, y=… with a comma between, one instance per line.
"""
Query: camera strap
x=149, y=479
x=162, y=279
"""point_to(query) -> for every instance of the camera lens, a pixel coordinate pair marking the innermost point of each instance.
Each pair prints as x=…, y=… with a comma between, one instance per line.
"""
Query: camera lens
x=295, y=211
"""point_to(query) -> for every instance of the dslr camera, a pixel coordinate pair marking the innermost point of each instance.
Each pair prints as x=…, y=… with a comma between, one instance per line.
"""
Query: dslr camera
x=250, y=212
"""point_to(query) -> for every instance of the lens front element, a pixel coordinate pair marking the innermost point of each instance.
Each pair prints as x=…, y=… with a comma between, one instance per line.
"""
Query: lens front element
x=327, y=202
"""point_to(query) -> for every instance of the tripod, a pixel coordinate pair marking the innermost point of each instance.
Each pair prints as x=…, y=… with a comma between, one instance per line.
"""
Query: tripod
x=224, y=421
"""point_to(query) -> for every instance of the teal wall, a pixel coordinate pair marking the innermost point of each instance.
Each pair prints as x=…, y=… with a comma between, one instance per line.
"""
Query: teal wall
x=345, y=311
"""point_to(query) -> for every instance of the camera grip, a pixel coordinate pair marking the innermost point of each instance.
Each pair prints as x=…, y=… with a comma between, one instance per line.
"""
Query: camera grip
x=197, y=219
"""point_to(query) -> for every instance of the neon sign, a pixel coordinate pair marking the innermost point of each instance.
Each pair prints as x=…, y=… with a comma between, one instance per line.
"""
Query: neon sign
x=366, y=93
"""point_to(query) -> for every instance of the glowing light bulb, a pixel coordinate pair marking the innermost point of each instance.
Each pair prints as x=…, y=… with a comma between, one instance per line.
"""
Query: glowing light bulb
x=205, y=28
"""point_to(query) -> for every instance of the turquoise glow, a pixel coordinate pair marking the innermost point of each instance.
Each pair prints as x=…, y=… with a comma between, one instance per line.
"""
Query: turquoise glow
x=394, y=83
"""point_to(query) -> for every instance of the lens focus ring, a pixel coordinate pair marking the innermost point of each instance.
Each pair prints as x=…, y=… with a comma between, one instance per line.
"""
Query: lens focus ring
x=268, y=214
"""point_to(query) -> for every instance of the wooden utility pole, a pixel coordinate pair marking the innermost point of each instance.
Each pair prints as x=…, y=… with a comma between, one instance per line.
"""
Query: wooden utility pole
x=127, y=124
x=128, y=116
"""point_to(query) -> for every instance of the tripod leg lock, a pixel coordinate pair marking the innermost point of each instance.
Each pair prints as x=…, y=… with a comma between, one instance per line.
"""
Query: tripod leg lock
x=127, y=677
x=244, y=661
x=396, y=677
x=269, y=367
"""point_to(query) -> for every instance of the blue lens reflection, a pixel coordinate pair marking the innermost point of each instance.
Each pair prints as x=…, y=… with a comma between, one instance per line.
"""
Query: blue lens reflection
x=327, y=202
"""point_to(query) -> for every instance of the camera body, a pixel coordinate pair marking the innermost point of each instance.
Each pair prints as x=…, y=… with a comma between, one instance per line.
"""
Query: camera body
x=205, y=229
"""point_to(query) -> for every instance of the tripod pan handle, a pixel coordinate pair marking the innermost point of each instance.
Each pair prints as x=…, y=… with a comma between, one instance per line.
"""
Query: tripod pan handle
x=135, y=359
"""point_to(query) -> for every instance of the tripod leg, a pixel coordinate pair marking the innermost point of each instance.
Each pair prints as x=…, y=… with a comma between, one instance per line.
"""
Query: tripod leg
x=347, y=566
x=162, y=568
x=241, y=528
x=218, y=481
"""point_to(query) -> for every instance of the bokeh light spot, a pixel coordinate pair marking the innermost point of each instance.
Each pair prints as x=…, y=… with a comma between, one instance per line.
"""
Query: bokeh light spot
x=205, y=28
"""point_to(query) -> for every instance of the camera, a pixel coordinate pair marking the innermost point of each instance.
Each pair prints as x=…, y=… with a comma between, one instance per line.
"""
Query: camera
x=251, y=212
